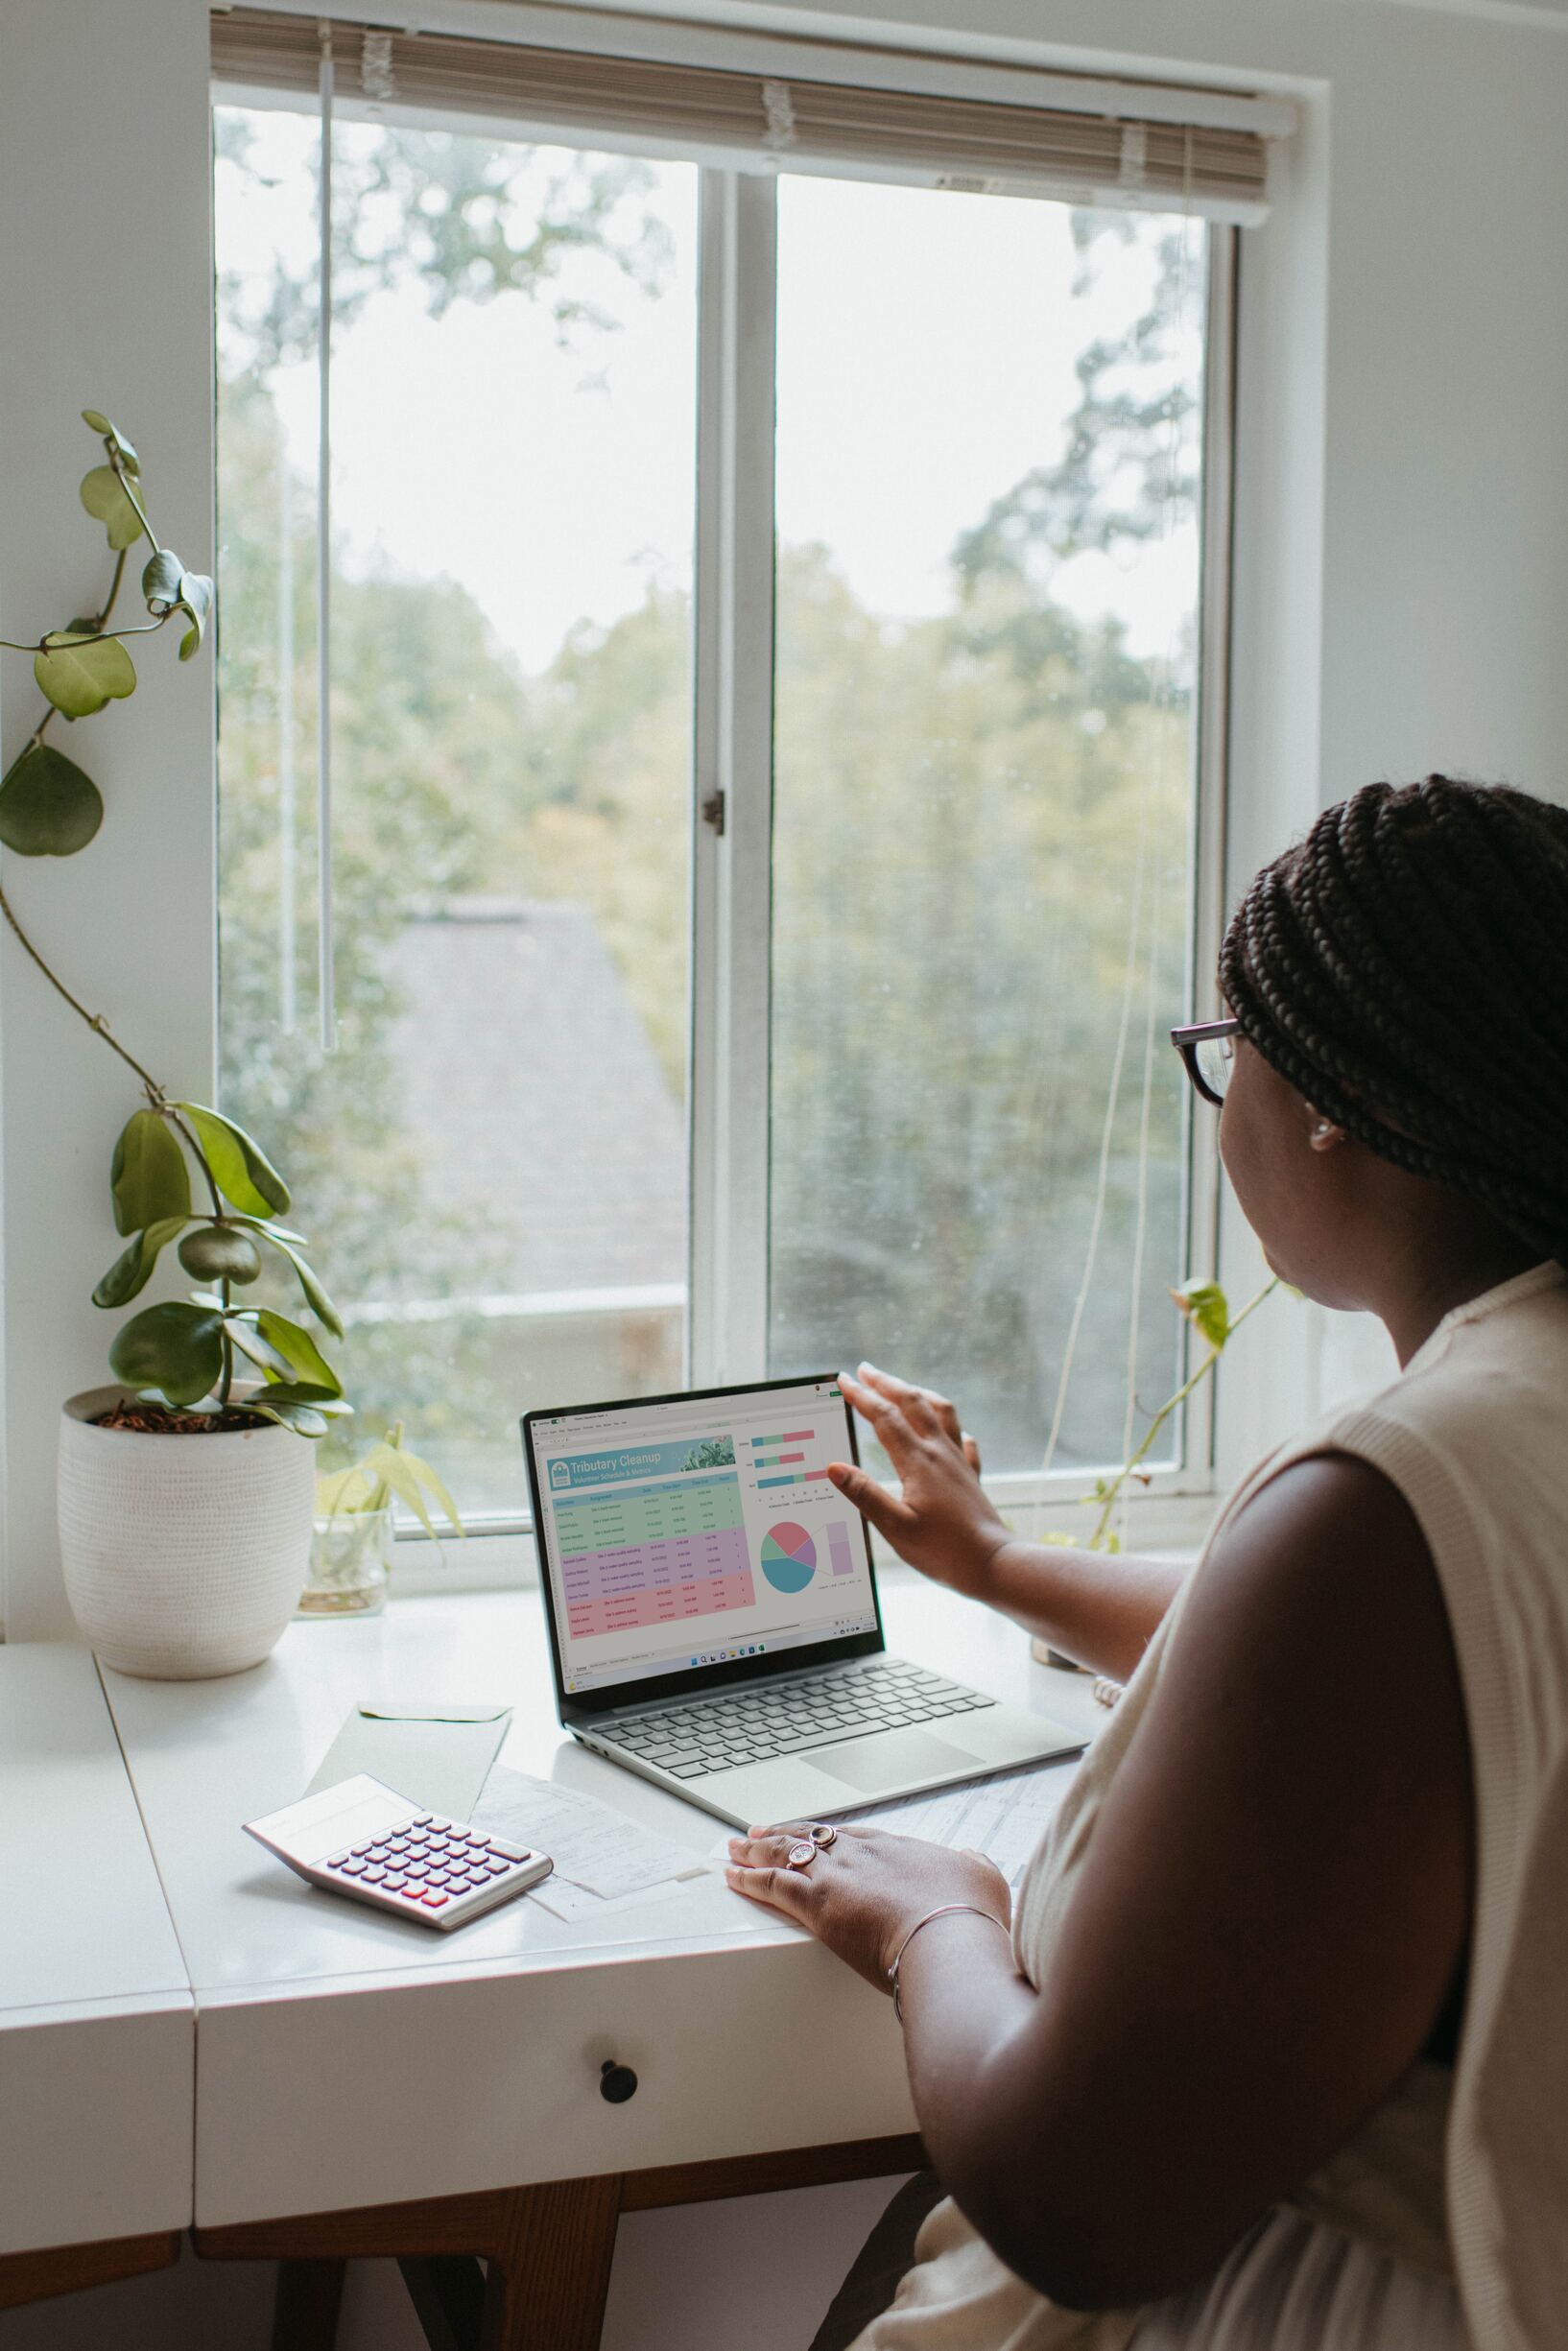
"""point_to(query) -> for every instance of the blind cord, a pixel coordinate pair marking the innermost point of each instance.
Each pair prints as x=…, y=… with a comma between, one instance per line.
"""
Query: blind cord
x=324, y=945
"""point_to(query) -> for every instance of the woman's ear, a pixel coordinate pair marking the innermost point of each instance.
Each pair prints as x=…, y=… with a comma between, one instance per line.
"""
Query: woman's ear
x=1323, y=1134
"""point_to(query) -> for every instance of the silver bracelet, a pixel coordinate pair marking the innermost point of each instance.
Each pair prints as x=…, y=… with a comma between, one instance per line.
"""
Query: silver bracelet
x=946, y=1909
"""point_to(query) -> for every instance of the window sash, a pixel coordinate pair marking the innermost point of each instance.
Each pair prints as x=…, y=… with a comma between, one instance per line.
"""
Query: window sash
x=729, y=1073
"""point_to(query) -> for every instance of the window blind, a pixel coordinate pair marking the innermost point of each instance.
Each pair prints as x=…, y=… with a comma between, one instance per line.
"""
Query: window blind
x=801, y=120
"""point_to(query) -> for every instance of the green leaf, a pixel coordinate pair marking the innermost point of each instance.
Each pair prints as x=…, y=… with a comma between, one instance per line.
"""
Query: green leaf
x=240, y=1168
x=1206, y=1308
x=316, y=1298
x=196, y=595
x=79, y=675
x=272, y=1231
x=343, y=1491
x=169, y=587
x=220, y=1253
x=175, y=1348
x=48, y=807
x=160, y=581
x=103, y=495
x=406, y=1480
x=281, y=1398
x=260, y=1351
x=133, y=1269
x=304, y=1419
x=302, y=1355
x=100, y=423
x=147, y=1176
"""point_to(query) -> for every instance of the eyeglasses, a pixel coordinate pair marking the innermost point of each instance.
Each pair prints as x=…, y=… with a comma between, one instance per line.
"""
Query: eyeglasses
x=1208, y=1049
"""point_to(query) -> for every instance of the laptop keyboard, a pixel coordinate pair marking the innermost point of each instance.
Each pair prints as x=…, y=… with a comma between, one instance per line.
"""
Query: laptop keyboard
x=716, y=1734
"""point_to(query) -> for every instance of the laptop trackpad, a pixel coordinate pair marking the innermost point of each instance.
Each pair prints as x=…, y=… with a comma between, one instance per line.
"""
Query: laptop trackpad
x=892, y=1759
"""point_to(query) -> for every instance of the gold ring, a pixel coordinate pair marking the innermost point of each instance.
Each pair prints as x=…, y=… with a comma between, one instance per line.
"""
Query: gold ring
x=822, y=1834
x=802, y=1854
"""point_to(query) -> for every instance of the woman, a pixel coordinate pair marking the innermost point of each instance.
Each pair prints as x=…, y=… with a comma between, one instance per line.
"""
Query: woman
x=1274, y=2054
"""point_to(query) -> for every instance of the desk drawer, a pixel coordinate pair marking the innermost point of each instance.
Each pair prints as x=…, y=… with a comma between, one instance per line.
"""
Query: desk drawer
x=379, y=2095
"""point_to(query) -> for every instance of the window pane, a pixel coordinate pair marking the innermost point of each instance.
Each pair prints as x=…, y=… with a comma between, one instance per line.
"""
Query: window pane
x=491, y=1167
x=988, y=448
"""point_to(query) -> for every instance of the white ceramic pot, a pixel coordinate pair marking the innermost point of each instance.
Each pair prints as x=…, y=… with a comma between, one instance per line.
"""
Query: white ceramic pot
x=184, y=1556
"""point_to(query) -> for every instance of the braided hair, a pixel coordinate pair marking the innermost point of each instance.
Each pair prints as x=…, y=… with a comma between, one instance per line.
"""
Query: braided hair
x=1406, y=970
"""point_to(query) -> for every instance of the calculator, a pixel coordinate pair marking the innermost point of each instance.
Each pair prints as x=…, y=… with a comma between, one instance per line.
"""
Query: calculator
x=363, y=1839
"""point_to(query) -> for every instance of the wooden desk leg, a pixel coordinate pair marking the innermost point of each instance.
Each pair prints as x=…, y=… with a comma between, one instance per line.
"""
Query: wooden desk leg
x=309, y=2299
x=548, y=2277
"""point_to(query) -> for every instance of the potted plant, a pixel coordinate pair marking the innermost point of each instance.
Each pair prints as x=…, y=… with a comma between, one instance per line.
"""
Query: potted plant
x=187, y=1490
x=350, y=1554
x=1205, y=1306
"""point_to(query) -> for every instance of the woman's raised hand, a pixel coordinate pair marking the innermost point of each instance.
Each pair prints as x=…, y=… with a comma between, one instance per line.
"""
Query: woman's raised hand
x=941, y=1521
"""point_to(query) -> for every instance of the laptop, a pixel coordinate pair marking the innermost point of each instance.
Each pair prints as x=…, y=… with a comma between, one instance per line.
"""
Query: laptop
x=713, y=1612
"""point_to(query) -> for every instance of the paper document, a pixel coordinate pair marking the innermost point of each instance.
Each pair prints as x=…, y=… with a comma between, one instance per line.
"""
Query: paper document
x=1004, y=1817
x=593, y=1846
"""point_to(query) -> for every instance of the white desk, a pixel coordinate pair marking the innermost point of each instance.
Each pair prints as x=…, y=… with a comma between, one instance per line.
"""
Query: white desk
x=368, y=2086
x=97, y=2025
x=353, y=2060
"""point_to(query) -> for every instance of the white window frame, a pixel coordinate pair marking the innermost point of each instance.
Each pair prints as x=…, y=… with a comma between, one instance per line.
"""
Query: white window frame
x=731, y=869
x=732, y=879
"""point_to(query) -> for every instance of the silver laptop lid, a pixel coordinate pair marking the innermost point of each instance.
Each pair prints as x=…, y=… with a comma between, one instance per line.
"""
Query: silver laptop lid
x=695, y=1539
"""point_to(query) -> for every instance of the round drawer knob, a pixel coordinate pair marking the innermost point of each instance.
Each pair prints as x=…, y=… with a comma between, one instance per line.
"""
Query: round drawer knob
x=616, y=2083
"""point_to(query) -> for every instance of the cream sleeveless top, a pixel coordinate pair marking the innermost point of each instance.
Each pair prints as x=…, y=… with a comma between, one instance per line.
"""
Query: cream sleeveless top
x=1464, y=2172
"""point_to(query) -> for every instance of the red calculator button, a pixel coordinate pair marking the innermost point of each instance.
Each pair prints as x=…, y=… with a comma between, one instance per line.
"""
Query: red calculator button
x=413, y=1887
x=435, y=1901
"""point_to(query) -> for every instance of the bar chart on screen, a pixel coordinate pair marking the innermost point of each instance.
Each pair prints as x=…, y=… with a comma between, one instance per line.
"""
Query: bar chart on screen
x=787, y=1460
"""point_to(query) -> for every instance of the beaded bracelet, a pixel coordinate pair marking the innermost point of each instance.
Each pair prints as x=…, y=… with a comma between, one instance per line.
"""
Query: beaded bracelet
x=946, y=1909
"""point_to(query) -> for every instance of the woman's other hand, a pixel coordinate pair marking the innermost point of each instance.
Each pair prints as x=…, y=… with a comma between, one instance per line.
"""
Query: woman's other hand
x=862, y=1895
x=941, y=1521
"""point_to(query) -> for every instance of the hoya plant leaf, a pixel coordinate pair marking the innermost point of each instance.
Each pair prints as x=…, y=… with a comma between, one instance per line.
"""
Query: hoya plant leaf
x=133, y=1270
x=160, y=581
x=101, y=424
x=304, y=1419
x=280, y=1396
x=148, y=1176
x=196, y=596
x=261, y=1351
x=303, y=1357
x=79, y=675
x=220, y=1253
x=175, y=1348
x=240, y=1168
x=316, y=1298
x=103, y=495
x=274, y=1231
x=48, y=806
x=1206, y=1308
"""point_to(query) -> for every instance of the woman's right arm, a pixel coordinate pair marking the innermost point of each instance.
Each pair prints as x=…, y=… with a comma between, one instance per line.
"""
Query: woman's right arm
x=1097, y=1607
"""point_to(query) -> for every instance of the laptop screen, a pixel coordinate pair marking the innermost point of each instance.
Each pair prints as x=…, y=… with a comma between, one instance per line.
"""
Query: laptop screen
x=697, y=1531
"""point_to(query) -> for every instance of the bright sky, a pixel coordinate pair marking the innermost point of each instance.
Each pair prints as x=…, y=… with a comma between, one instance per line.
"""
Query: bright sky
x=926, y=362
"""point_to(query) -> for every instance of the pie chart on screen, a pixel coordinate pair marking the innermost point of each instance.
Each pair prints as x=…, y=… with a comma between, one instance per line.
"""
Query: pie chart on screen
x=789, y=1557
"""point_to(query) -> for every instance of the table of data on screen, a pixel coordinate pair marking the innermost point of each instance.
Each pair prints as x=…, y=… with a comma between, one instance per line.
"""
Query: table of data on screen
x=653, y=1553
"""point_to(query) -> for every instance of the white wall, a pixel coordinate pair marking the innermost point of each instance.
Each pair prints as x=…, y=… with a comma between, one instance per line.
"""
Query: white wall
x=105, y=298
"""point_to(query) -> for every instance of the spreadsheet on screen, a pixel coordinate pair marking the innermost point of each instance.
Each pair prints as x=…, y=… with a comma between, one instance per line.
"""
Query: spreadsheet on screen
x=700, y=1531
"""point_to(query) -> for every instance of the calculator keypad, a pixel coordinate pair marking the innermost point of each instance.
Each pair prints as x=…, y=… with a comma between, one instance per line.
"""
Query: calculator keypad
x=428, y=1862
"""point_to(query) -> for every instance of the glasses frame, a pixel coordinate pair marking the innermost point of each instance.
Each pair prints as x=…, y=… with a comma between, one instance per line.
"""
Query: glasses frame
x=1188, y=1038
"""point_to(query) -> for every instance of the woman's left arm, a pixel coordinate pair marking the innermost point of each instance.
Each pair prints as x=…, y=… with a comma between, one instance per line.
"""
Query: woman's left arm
x=1270, y=1913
